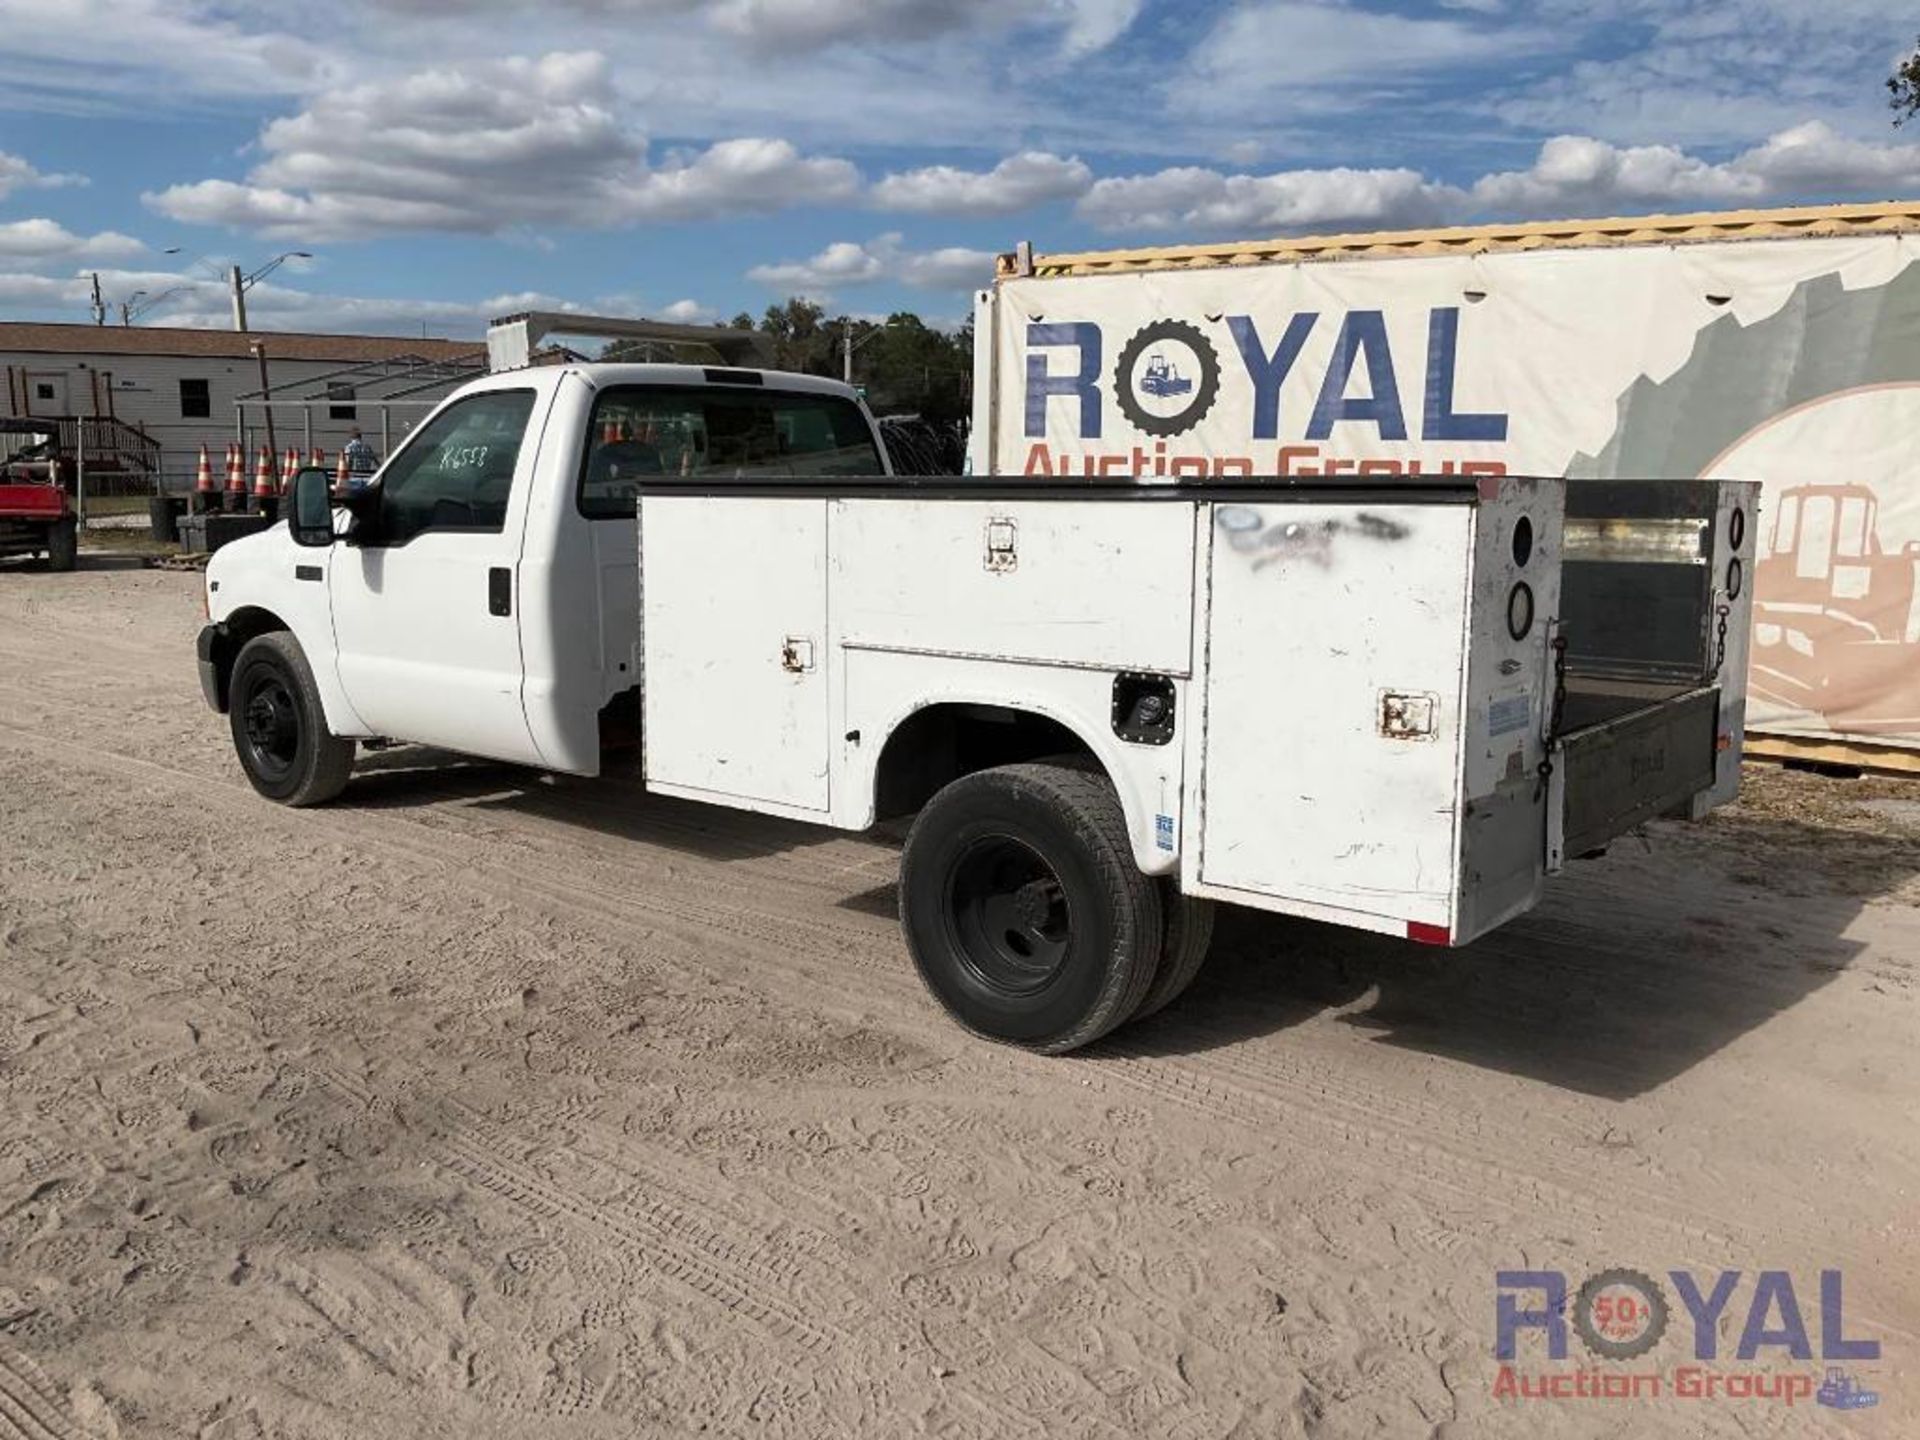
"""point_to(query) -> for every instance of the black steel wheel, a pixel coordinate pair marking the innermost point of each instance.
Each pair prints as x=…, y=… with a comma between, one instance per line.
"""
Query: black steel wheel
x=279, y=727
x=1011, y=921
x=1023, y=909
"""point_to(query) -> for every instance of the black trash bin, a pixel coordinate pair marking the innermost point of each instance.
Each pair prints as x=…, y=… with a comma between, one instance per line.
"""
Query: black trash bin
x=163, y=517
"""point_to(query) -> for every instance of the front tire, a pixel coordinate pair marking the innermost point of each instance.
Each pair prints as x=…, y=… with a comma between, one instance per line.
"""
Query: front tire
x=279, y=727
x=1023, y=909
x=63, y=545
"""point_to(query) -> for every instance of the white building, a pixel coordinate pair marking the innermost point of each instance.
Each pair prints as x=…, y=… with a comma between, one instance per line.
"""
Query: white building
x=146, y=399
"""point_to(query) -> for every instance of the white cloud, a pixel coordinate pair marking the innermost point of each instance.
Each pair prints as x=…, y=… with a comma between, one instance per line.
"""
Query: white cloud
x=196, y=302
x=689, y=312
x=41, y=239
x=17, y=174
x=1572, y=175
x=1095, y=24
x=786, y=26
x=1587, y=174
x=1807, y=163
x=1814, y=159
x=90, y=56
x=771, y=24
x=1275, y=54
x=1710, y=72
x=1206, y=201
x=1032, y=177
x=848, y=262
x=490, y=147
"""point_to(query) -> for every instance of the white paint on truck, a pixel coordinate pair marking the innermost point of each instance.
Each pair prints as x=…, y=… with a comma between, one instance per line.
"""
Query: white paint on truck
x=1106, y=700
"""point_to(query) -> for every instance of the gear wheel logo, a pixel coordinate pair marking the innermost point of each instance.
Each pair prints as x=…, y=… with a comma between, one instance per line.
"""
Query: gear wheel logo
x=1620, y=1314
x=1167, y=378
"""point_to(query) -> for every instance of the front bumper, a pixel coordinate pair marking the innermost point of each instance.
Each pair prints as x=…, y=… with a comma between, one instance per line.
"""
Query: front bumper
x=211, y=649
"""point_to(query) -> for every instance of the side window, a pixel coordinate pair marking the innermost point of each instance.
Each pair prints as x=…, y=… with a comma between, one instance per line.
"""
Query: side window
x=195, y=401
x=341, y=396
x=457, y=471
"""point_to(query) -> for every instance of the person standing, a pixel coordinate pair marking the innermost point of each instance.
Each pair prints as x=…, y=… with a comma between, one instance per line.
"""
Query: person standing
x=361, y=461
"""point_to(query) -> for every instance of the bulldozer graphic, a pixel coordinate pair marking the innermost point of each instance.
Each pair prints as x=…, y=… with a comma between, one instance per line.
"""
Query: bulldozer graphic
x=1840, y=1391
x=1836, y=641
x=1836, y=627
x=1163, y=377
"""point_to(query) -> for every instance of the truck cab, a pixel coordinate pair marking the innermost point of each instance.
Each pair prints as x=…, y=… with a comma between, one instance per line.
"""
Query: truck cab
x=485, y=596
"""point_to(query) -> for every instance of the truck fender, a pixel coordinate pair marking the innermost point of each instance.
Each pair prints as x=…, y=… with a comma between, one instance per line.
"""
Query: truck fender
x=1140, y=776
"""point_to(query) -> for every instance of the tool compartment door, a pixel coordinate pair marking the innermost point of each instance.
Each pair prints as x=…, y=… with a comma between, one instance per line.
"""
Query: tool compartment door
x=1335, y=658
x=734, y=621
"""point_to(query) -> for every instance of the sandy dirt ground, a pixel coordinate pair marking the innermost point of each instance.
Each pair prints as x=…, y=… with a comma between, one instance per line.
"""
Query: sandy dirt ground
x=484, y=1104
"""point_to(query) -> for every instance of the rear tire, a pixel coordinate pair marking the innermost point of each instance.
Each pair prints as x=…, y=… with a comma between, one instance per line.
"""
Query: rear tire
x=1183, y=950
x=1023, y=909
x=63, y=545
x=279, y=727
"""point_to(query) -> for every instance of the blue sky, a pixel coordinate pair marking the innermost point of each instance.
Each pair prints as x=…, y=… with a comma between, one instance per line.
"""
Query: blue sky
x=693, y=158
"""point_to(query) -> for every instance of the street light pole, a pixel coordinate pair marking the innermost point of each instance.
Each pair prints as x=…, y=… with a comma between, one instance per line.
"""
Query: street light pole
x=849, y=345
x=238, y=284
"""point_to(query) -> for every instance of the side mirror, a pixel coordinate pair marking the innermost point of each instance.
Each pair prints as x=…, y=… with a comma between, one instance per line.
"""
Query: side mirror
x=310, y=513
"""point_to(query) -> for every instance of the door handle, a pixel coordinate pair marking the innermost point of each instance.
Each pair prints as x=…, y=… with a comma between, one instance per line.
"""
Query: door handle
x=500, y=591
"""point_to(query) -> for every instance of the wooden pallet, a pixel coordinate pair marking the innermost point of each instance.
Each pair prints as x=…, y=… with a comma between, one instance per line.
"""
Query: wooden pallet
x=1867, y=756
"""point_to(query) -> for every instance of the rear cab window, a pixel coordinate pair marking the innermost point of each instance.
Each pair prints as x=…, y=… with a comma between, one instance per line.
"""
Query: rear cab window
x=652, y=433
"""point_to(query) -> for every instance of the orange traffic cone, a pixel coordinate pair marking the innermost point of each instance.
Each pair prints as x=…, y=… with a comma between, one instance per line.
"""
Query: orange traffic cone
x=341, y=473
x=237, y=478
x=263, y=475
x=203, y=476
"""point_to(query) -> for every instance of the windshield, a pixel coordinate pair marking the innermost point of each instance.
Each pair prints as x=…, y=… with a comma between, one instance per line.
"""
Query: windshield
x=682, y=432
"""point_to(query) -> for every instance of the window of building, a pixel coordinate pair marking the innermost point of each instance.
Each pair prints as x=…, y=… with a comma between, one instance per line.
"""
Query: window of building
x=337, y=392
x=42, y=390
x=196, y=403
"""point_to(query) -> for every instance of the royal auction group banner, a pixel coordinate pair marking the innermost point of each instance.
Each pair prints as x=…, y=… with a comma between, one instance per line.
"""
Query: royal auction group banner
x=1795, y=362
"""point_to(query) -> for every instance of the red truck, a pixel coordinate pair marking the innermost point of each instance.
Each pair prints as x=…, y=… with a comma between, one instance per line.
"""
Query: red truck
x=36, y=508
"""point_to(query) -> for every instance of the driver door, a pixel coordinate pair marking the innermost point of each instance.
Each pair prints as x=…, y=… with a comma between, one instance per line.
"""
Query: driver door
x=426, y=597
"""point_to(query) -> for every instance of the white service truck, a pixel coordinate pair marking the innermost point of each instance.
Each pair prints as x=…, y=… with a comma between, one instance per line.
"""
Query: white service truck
x=1109, y=702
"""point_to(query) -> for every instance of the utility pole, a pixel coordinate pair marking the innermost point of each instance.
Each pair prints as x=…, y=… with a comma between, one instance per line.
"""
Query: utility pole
x=99, y=303
x=846, y=350
x=266, y=392
x=237, y=283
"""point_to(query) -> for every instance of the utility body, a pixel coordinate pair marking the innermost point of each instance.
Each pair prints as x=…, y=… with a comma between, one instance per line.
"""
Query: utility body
x=1107, y=703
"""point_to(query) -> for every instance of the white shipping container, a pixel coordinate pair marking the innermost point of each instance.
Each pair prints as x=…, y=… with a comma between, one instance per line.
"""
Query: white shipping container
x=1782, y=347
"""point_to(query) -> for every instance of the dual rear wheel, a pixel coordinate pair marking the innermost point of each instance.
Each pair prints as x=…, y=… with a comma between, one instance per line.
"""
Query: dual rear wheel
x=1027, y=917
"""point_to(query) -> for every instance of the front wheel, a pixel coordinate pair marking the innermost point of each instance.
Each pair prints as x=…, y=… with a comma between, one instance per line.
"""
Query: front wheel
x=63, y=545
x=1023, y=909
x=279, y=728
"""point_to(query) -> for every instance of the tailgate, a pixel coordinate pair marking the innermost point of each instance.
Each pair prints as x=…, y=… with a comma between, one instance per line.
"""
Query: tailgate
x=1646, y=755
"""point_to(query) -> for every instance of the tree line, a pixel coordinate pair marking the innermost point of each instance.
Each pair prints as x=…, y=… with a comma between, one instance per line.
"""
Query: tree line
x=906, y=366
